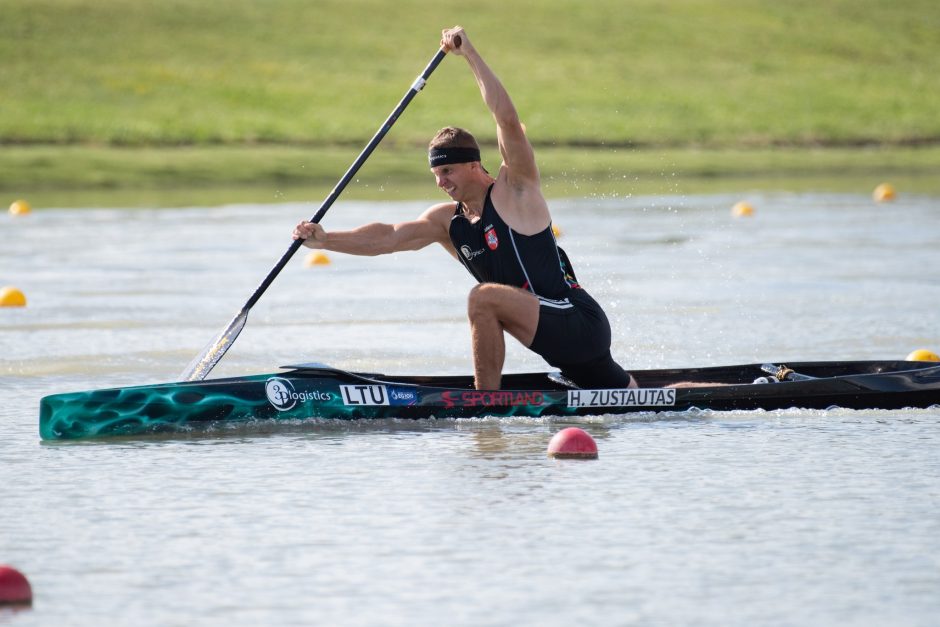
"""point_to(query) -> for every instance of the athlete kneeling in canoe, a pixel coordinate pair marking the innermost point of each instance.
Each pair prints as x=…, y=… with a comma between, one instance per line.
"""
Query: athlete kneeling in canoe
x=527, y=286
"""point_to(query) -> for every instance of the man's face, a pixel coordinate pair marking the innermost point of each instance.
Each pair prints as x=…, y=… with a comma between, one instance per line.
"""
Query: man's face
x=453, y=178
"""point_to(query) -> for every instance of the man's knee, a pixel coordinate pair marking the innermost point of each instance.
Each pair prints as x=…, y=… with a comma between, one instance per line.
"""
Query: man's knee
x=481, y=301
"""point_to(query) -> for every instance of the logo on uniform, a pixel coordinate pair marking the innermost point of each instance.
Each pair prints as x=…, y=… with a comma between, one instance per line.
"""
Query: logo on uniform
x=491, y=240
x=467, y=252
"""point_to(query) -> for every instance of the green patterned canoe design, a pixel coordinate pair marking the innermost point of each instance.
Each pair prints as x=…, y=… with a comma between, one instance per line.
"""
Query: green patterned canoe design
x=151, y=409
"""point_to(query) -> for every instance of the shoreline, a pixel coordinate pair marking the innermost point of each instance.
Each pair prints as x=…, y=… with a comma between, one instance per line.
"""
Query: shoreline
x=82, y=176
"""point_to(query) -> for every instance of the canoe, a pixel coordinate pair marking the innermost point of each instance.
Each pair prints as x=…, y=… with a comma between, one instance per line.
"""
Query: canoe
x=314, y=390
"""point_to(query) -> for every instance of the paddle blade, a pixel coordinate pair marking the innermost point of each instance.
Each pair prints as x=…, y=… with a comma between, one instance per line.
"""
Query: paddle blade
x=205, y=361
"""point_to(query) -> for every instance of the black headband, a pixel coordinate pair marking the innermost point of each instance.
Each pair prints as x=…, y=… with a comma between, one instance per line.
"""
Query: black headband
x=445, y=156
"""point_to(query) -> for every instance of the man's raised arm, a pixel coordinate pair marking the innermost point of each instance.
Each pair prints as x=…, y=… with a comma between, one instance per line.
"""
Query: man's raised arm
x=514, y=146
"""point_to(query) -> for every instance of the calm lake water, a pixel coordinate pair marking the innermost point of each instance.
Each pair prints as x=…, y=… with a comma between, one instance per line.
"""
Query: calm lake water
x=743, y=518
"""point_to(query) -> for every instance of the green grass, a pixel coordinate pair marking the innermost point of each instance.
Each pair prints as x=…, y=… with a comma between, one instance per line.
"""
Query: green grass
x=285, y=92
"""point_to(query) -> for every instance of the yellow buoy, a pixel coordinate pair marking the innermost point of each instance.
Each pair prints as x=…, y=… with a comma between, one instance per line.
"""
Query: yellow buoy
x=12, y=297
x=20, y=208
x=742, y=208
x=317, y=259
x=556, y=231
x=884, y=193
x=922, y=354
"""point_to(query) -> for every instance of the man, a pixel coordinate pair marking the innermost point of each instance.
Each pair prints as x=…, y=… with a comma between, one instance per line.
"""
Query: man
x=500, y=229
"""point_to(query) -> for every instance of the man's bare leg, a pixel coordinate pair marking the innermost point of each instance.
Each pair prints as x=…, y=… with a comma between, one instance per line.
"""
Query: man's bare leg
x=492, y=309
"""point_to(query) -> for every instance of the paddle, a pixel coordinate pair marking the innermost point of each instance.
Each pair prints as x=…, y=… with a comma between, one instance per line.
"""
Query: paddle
x=210, y=356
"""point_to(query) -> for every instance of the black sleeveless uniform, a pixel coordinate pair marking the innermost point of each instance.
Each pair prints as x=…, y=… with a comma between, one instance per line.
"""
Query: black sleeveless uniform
x=573, y=333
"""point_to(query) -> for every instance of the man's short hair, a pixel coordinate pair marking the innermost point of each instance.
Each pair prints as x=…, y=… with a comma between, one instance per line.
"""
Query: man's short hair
x=453, y=137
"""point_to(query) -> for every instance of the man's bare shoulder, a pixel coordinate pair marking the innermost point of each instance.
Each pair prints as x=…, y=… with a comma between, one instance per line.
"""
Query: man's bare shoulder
x=443, y=208
x=440, y=213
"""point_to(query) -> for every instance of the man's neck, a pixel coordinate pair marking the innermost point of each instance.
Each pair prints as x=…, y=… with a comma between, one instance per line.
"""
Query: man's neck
x=473, y=203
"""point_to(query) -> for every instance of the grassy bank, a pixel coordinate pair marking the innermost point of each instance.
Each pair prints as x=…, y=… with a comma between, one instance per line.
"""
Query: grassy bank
x=274, y=94
x=737, y=72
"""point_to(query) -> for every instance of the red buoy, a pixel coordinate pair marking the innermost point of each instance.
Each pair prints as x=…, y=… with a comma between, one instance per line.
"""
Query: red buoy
x=14, y=588
x=572, y=443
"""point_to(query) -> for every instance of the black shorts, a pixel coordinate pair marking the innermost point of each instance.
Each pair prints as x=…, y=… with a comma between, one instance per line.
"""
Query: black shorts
x=576, y=339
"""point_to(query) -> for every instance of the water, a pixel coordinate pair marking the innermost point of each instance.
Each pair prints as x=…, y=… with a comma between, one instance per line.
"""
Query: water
x=771, y=518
